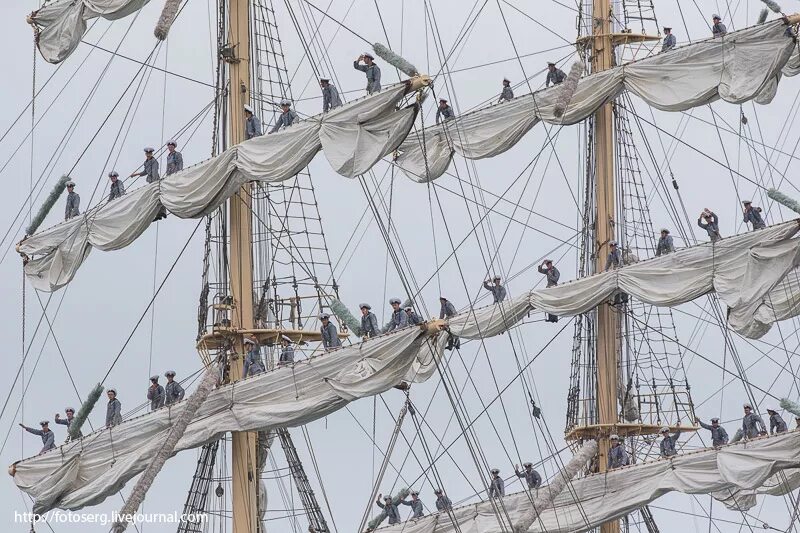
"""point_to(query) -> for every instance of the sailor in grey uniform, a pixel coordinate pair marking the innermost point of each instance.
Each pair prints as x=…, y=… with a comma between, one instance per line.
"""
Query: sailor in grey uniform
x=497, y=487
x=776, y=422
x=617, y=455
x=73, y=202
x=614, y=259
x=48, y=437
x=753, y=215
x=718, y=29
x=415, y=504
x=669, y=40
x=708, y=221
x=155, y=393
x=287, y=352
x=252, y=126
x=372, y=71
x=554, y=75
x=174, y=158
x=399, y=318
x=448, y=310
x=443, y=503
x=389, y=509
x=507, y=94
x=719, y=437
x=369, y=322
x=330, y=335
x=413, y=318
x=113, y=409
x=173, y=392
x=668, y=442
x=330, y=96
x=548, y=269
x=286, y=118
x=68, y=422
x=149, y=167
x=531, y=476
x=497, y=290
x=117, y=189
x=752, y=424
x=253, y=364
x=665, y=244
x=444, y=111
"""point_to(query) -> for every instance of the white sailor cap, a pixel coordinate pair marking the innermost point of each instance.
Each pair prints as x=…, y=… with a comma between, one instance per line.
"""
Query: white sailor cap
x=614, y=437
x=664, y=230
x=506, y=80
x=324, y=80
x=443, y=100
x=169, y=373
x=496, y=278
x=70, y=184
x=747, y=406
x=153, y=378
x=612, y=243
x=172, y=142
x=526, y=465
x=286, y=338
x=745, y=202
x=665, y=429
x=248, y=340
x=148, y=150
x=409, y=308
x=772, y=408
x=324, y=316
x=364, y=306
x=442, y=297
x=248, y=108
x=68, y=409
x=714, y=420
x=495, y=470
x=715, y=16
x=550, y=63
x=414, y=493
x=44, y=422
x=387, y=497
x=437, y=491
x=393, y=301
x=285, y=102
x=113, y=174
x=548, y=260
x=367, y=54
x=111, y=390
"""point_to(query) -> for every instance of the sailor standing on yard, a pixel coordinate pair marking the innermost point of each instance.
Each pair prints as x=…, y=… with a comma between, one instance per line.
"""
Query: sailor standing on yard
x=253, y=363
x=372, y=71
x=369, y=322
x=668, y=442
x=497, y=290
x=554, y=75
x=330, y=96
x=113, y=409
x=48, y=437
x=389, y=509
x=252, y=126
x=448, y=310
x=413, y=318
x=531, y=476
x=73, y=202
x=497, y=487
x=669, y=40
x=548, y=269
x=70, y=412
x=753, y=215
x=149, y=167
x=708, y=221
x=776, y=422
x=155, y=393
x=174, y=158
x=718, y=29
x=444, y=111
x=287, y=352
x=719, y=436
x=117, y=189
x=286, y=118
x=665, y=244
x=617, y=455
x=173, y=392
x=443, y=503
x=416, y=505
x=614, y=259
x=399, y=317
x=330, y=335
x=507, y=94
x=752, y=424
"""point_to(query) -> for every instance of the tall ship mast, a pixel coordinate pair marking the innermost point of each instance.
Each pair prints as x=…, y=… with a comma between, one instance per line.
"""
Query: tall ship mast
x=458, y=395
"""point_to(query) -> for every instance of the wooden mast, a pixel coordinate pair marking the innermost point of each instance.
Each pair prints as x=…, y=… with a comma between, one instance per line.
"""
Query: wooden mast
x=606, y=348
x=244, y=474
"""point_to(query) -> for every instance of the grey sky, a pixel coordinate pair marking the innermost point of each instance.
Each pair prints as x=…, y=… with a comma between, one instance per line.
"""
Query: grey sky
x=103, y=303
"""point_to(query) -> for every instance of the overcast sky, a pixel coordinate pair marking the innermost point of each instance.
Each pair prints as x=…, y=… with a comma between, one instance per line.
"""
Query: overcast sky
x=94, y=315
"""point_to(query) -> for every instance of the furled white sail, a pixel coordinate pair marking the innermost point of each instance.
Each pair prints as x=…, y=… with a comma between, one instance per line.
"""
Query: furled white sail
x=741, y=66
x=353, y=137
x=86, y=471
x=756, y=274
x=60, y=24
x=756, y=466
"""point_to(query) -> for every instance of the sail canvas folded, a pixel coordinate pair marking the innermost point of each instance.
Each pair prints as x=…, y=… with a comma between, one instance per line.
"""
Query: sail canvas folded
x=742, y=66
x=749, y=468
x=756, y=274
x=85, y=472
x=353, y=137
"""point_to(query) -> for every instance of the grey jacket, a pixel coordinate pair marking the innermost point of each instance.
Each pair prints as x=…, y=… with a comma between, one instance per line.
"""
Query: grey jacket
x=719, y=29
x=73, y=205
x=719, y=436
x=506, y=95
x=150, y=170
x=448, y=310
x=711, y=227
x=669, y=43
x=555, y=77
x=285, y=120
x=552, y=275
x=373, y=73
x=445, y=113
x=618, y=457
x=614, y=260
x=498, y=291
x=330, y=98
x=287, y=355
x=116, y=190
x=253, y=364
x=752, y=425
x=497, y=487
x=665, y=245
x=48, y=438
x=416, y=507
x=68, y=422
x=156, y=397
x=398, y=320
x=668, y=445
x=532, y=478
x=174, y=162
x=252, y=127
x=753, y=216
x=777, y=424
x=414, y=319
x=330, y=337
x=443, y=503
x=391, y=511
x=173, y=392
x=369, y=325
x=113, y=413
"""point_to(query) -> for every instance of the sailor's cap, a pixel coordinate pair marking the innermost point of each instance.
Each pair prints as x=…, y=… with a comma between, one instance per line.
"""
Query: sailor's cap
x=614, y=437
x=324, y=316
x=612, y=243
x=367, y=54
x=664, y=230
x=443, y=100
x=667, y=28
x=747, y=406
x=248, y=340
x=527, y=464
x=44, y=422
x=772, y=408
x=69, y=409
x=364, y=306
x=153, y=378
x=715, y=16
x=437, y=491
x=248, y=108
x=495, y=470
x=172, y=142
x=506, y=80
x=548, y=260
x=324, y=80
x=393, y=301
x=70, y=184
x=169, y=373
x=113, y=174
x=550, y=64
x=148, y=150
x=409, y=308
x=285, y=102
x=746, y=202
x=414, y=493
x=387, y=497
x=496, y=278
x=442, y=297
x=714, y=420
x=111, y=390
x=286, y=338
x=665, y=429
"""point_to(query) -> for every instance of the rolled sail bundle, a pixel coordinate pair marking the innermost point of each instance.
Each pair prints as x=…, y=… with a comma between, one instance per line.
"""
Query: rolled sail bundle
x=742, y=470
x=87, y=471
x=746, y=65
x=353, y=138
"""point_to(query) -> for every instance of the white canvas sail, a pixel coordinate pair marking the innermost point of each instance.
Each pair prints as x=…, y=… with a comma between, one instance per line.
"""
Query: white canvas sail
x=748, y=468
x=742, y=66
x=756, y=274
x=86, y=471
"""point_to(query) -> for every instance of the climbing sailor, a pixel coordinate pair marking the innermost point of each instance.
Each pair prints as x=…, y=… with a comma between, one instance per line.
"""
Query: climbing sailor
x=497, y=487
x=70, y=412
x=497, y=290
x=548, y=269
x=399, y=318
x=776, y=422
x=719, y=437
x=617, y=455
x=507, y=94
x=372, y=71
x=174, y=158
x=155, y=393
x=415, y=504
x=665, y=244
x=330, y=335
x=287, y=352
x=286, y=118
x=669, y=40
x=708, y=221
x=668, y=442
x=531, y=476
x=73, y=202
x=116, y=189
x=443, y=503
x=252, y=126
x=413, y=318
x=149, y=167
x=253, y=363
x=113, y=409
x=173, y=392
x=797, y=422
x=330, y=96
x=444, y=111
x=753, y=215
x=718, y=29
x=48, y=437
x=389, y=509
x=752, y=424
x=369, y=322
x=554, y=75
x=448, y=310
x=614, y=259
